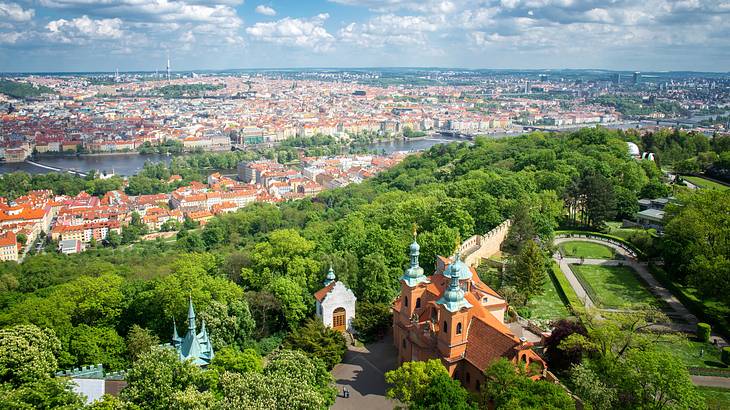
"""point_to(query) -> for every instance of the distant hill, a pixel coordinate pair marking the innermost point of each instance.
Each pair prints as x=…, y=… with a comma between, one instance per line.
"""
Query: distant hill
x=23, y=90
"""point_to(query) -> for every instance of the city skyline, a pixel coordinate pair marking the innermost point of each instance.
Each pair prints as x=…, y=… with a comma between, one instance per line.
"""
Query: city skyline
x=79, y=36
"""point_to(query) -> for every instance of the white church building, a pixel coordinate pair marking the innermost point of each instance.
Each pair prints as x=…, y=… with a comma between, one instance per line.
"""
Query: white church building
x=335, y=304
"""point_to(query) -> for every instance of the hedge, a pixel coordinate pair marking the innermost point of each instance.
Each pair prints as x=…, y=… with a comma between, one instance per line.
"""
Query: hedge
x=565, y=291
x=725, y=355
x=639, y=253
x=721, y=324
x=709, y=371
x=703, y=332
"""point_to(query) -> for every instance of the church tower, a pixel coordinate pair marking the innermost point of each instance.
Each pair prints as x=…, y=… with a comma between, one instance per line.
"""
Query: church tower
x=454, y=312
x=413, y=282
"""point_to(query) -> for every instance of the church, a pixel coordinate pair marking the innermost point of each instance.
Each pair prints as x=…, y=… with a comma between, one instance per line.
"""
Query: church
x=335, y=304
x=453, y=316
x=193, y=346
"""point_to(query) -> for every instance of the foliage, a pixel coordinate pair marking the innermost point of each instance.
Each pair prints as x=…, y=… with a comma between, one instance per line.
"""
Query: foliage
x=506, y=387
x=696, y=245
x=140, y=341
x=229, y=359
x=527, y=271
x=27, y=353
x=318, y=341
x=443, y=393
x=703, y=332
x=412, y=380
x=157, y=376
x=559, y=357
x=372, y=321
x=17, y=89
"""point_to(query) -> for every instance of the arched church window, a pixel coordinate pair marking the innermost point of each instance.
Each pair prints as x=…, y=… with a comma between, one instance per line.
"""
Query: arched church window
x=458, y=330
x=468, y=378
x=406, y=302
x=418, y=303
x=404, y=343
x=446, y=327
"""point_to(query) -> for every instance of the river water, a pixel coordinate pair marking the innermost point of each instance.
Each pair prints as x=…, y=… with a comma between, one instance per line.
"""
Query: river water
x=131, y=164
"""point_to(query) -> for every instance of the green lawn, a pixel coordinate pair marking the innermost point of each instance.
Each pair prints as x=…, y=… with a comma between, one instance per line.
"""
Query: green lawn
x=588, y=250
x=717, y=398
x=571, y=297
x=705, y=183
x=615, y=229
x=693, y=353
x=613, y=287
x=549, y=305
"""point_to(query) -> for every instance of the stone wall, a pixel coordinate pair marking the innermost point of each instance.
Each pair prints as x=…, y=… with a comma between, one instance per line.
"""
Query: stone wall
x=479, y=247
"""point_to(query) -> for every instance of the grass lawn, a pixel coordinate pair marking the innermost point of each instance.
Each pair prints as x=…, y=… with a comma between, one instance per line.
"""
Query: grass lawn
x=694, y=353
x=613, y=286
x=588, y=250
x=705, y=183
x=571, y=297
x=549, y=305
x=615, y=229
x=717, y=398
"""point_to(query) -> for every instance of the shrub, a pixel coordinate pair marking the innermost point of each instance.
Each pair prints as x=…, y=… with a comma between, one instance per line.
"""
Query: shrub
x=703, y=332
x=371, y=321
x=725, y=356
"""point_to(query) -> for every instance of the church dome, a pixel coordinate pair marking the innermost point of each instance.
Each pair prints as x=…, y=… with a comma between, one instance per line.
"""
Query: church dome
x=458, y=268
x=415, y=247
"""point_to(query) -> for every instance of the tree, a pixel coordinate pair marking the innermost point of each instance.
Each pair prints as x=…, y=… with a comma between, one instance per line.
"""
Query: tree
x=140, y=341
x=113, y=239
x=376, y=280
x=27, y=353
x=229, y=324
x=229, y=359
x=290, y=297
x=506, y=387
x=443, y=393
x=527, y=272
x=522, y=229
x=600, y=200
x=319, y=341
x=412, y=379
x=372, y=321
x=157, y=376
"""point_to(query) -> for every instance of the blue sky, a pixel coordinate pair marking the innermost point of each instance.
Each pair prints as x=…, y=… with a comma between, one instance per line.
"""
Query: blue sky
x=102, y=35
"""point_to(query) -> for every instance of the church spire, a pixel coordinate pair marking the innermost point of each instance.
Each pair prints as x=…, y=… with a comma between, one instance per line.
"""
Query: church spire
x=330, y=276
x=175, y=336
x=191, y=315
x=414, y=274
x=453, y=298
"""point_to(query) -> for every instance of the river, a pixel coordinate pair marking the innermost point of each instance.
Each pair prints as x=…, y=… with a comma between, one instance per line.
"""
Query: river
x=131, y=164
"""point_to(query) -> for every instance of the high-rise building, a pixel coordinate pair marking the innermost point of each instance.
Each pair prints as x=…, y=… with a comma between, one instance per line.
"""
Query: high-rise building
x=168, y=67
x=637, y=77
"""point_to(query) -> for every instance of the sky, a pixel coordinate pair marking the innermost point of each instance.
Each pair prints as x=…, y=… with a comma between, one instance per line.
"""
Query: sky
x=130, y=35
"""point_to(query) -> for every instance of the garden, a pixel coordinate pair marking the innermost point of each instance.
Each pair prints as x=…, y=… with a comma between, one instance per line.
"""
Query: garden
x=587, y=250
x=613, y=287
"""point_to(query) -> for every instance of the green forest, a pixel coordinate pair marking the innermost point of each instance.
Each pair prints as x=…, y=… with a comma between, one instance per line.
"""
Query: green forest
x=252, y=275
x=17, y=89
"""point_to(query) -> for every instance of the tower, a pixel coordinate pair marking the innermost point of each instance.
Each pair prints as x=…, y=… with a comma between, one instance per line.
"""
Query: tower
x=168, y=66
x=330, y=276
x=454, y=312
x=411, y=279
x=193, y=346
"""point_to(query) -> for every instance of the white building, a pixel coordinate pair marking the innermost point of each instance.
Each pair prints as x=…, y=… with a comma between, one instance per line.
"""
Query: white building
x=335, y=304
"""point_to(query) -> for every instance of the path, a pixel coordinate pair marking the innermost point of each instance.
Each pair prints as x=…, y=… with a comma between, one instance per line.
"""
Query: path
x=711, y=381
x=362, y=371
x=682, y=319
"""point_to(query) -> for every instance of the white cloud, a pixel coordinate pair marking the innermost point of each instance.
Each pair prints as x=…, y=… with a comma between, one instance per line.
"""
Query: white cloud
x=265, y=10
x=82, y=29
x=390, y=29
x=306, y=33
x=14, y=12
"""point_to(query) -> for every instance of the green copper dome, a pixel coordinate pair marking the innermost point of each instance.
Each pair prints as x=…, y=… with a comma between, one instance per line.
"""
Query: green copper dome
x=453, y=298
x=330, y=276
x=459, y=268
x=414, y=274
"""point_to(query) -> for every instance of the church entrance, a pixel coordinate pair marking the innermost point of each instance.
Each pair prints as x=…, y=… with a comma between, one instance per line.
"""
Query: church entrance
x=338, y=319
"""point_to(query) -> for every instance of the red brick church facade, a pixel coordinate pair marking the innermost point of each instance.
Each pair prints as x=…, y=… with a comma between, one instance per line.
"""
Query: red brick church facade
x=454, y=316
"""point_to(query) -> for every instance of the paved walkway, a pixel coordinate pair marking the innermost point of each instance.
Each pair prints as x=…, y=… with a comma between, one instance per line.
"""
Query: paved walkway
x=711, y=381
x=362, y=371
x=682, y=319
